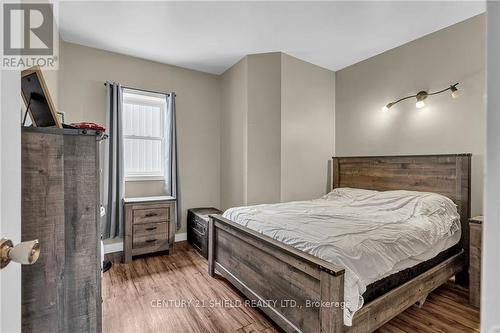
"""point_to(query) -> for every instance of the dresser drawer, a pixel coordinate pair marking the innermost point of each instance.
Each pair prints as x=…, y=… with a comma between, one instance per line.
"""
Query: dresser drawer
x=146, y=229
x=148, y=215
x=151, y=240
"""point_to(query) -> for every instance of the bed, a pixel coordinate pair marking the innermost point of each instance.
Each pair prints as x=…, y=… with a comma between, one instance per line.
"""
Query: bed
x=302, y=292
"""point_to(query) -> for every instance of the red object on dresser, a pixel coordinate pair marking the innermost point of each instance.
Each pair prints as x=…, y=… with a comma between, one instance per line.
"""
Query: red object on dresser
x=92, y=126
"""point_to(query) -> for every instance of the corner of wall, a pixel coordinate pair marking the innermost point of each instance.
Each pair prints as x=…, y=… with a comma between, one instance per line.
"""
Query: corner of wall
x=288, y=107
x=334, y=150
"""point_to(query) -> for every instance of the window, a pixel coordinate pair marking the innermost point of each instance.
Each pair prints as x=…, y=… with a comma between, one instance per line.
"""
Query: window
x=144, y=135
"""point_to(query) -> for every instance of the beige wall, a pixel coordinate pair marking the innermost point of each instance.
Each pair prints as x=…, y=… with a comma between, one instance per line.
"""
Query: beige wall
x=446, y=125
x=51, y=78
x=277, y=130
x=82, y=96
x=250, y=137
x=307, y=128
x=263, y=128
x=233, y=135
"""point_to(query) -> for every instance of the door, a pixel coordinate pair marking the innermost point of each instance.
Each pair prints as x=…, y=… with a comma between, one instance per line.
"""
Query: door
x=10, y=196
x=490, y=288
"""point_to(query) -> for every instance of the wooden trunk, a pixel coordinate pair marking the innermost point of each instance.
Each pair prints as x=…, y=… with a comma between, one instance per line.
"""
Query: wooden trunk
x=197, y=228
x=61, y=292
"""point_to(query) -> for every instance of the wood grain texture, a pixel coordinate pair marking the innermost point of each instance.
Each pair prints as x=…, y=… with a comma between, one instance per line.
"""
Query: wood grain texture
x=129, y=232
x=82, y=267
x=475, y=264
x=62, y=291
x=445, y=310
x=128, y=290
x=42, y=217
x=149, y=227
x=332, y=291
x=267, y=270
x=265, y=281
x=148, y=215
x=382, y=309
x=444, y=174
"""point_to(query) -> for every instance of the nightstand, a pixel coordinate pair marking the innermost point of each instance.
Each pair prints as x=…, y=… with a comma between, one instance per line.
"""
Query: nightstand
x=149, y=225
x=475, y=229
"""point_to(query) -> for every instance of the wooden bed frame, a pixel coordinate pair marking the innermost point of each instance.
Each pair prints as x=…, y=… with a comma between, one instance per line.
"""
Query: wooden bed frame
x=303, y=293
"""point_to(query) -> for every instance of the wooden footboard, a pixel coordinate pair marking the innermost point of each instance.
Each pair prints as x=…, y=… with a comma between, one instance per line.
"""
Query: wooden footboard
x=302, y=293
x=299, y=292
x=382, y=309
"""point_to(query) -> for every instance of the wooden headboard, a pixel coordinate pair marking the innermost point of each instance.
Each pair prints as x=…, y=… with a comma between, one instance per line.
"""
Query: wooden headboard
x=449, y=175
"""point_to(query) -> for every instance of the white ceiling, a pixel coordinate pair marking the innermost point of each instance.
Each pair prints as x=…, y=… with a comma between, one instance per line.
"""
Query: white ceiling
x=212, y=36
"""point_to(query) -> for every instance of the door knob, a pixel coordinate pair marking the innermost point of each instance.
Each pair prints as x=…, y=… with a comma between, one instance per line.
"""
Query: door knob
x=24, y=253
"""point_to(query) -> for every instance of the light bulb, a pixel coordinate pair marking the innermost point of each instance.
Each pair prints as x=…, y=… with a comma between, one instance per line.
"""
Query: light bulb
x=456, y=94
x=420, y=104
x=387, y=107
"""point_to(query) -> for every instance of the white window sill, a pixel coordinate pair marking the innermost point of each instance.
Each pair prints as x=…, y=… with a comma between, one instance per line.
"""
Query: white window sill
x=143, y=178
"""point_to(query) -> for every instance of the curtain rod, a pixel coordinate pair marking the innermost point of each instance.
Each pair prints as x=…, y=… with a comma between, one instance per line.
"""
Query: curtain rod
x=149, y=91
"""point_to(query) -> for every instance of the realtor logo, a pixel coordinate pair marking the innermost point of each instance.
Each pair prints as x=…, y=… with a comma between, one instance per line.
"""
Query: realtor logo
x=29, y=37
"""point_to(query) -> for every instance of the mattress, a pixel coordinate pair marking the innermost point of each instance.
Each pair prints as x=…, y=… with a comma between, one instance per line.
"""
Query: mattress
x=372, y=234
x=383, y=286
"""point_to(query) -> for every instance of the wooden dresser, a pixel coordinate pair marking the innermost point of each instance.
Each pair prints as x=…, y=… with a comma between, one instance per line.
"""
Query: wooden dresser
x=149, y=225
x=476, y=229
x=61, y=292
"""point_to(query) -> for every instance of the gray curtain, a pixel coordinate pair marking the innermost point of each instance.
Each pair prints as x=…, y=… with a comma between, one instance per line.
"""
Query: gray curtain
x=171, y=185
x=113, y=175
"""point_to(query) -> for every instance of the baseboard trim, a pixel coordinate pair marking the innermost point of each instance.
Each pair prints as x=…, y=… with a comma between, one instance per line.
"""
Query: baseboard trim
x=181, y=237
x=113, y=245
x=116, y=244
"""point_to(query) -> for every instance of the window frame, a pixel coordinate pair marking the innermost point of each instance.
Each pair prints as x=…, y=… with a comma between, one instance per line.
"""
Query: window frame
x=146, y=98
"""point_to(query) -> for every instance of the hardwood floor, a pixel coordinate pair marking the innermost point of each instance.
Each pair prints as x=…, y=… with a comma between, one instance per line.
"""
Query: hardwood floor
x=175, y=294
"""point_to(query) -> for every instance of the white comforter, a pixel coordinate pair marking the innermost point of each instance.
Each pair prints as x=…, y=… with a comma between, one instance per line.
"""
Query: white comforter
x=371, y=234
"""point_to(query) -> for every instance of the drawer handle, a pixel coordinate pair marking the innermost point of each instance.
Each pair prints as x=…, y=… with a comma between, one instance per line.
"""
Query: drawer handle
x=150, y=214
x=151, y=228
x=151, y=241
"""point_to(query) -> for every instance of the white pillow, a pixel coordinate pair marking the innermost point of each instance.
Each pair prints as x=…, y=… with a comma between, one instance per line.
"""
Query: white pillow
x=343, y=193
x=428, y=202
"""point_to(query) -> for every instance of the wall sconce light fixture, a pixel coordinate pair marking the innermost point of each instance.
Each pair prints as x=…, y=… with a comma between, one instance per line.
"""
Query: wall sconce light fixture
x=422, y=95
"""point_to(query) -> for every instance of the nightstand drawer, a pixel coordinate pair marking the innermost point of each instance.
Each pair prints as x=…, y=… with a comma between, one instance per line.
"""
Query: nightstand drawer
x=146, y=229
x=152, y=240
x=149, y=215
